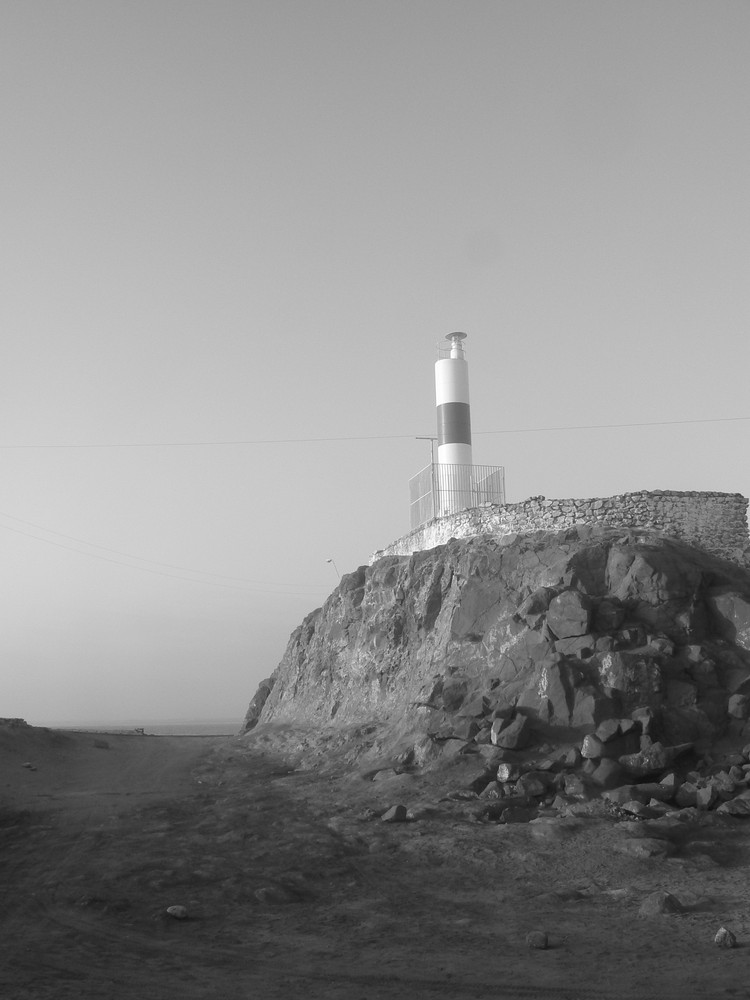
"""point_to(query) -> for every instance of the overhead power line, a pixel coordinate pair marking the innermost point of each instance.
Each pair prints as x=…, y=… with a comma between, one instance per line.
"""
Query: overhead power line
x=369, y=437
x=179, y=572
x=213, y=444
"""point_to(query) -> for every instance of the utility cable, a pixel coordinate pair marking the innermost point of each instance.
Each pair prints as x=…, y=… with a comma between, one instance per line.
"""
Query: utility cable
x=129, y=555
x=251, y=586
x=369, y=437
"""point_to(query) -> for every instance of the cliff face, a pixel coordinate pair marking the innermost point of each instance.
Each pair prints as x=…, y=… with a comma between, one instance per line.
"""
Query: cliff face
x=567, y=627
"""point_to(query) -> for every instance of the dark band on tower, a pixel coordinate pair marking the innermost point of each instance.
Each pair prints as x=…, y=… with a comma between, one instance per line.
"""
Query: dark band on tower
x=454, y=423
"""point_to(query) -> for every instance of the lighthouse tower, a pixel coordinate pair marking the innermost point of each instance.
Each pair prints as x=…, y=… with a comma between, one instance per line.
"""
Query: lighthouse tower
x=453, y=483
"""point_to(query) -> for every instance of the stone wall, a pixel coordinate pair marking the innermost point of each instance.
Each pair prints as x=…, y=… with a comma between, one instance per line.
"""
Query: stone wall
x=714, y=522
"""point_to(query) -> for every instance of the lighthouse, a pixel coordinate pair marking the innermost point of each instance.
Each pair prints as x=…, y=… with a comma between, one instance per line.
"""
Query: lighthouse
x=453, y=483
x=452, y=402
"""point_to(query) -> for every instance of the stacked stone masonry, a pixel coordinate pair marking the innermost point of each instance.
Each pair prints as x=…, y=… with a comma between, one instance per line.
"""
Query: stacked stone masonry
x=714, y=522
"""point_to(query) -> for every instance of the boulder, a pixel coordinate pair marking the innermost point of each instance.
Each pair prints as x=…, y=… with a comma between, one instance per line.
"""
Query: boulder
x=608, y=730
x=651, y=790
x=739, y=806
x=633, y=678
x=478, y=778
x=730, y=612
x=466, y=729
x=395, y=814
x=491, y=790
x=574, y=787
x=592, y=748
x=637, y=808
x=569, y=614
x=516, y=735
x=476, y=708
x=496, y=728
x=646, y=720
x=453, y=694
x=624, y=793
x=725, y=938
x=259, y=699
x=533, y=608
x=658, y=589
x=508, y=772
x=532, y=786
x=726, y=784
x=590, y=706
x=608, y=774
x=556, y=684
x=738, y=706
x=670, y=783
x=652, y=759
x=686, y=795
x=705, y=797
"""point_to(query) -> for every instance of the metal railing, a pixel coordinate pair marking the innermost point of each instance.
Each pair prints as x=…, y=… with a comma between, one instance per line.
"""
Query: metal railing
x=441, y=489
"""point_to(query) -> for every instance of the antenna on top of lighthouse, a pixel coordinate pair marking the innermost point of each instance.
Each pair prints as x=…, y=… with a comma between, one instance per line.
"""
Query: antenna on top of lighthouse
x=457, y=348
x=454, y=348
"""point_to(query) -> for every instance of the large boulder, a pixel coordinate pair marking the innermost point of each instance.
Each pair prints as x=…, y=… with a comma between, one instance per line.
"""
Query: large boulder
x=730, y=612
x=633, y=678
x=569, y=614
x=256, y=705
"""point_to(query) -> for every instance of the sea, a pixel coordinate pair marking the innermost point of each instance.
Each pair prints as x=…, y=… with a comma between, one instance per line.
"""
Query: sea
x=199, y=727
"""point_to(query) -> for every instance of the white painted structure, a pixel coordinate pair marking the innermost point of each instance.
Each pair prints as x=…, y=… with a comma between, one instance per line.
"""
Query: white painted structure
x=452, y=402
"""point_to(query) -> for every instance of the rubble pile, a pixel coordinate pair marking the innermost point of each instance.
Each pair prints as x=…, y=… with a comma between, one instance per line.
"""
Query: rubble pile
x=621, y=768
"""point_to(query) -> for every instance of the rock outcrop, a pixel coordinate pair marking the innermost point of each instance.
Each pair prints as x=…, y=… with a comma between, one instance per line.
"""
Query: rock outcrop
x=486, y=636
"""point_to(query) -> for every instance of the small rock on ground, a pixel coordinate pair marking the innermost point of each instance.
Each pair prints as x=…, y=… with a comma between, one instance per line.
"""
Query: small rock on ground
x=396, y=814
x=660, y=902
x=725, y=939
x=537, y=939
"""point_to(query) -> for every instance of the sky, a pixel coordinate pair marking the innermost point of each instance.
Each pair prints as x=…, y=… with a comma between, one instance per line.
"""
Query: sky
x=233, y=234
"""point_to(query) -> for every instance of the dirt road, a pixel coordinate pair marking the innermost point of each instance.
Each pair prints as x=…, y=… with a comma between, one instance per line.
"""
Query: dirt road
x=294, y=887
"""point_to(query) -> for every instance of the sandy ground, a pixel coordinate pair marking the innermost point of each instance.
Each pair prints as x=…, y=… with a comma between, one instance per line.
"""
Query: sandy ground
x=294, y=887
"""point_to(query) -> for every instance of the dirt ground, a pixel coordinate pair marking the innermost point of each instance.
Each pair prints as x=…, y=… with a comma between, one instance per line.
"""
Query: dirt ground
x=295, y=887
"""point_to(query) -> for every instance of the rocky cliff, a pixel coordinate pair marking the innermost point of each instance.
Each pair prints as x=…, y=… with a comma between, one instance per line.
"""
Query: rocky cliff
x=560, y=629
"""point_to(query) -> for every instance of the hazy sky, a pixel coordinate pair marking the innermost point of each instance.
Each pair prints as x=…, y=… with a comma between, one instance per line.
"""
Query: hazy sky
x=252, y=221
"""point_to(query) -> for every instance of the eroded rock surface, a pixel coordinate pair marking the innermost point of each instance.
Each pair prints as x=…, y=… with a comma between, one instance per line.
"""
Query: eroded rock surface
x=564, y=629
